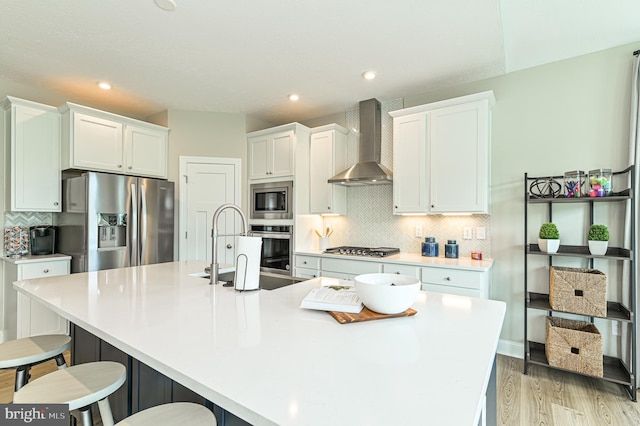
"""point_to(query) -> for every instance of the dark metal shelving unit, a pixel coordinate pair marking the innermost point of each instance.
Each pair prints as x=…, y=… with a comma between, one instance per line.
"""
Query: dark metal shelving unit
x=615, y=369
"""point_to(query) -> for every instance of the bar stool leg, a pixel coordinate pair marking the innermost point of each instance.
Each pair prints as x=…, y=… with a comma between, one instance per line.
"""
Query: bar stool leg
x=105, y=412
x=22, y=376
x=60, y=361
x=85, y=416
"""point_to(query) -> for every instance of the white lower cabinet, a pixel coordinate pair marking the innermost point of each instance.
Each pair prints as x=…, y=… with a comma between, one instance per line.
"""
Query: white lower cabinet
x=307, y=267
x=347, y=269
x=456, y=281
x=400, y=269
x=33, y=318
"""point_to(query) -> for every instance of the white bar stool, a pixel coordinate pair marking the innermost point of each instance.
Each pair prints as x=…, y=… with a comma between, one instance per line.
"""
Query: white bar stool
x=23, y=354
x=79, y=386
x=176, y=413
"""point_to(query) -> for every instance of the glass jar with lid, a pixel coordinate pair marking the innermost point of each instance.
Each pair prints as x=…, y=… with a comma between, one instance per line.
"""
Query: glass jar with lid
x=574, y=182
x=600, y=184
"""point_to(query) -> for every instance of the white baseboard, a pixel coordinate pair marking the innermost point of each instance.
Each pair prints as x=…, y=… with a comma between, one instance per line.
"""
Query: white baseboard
x=511, y=348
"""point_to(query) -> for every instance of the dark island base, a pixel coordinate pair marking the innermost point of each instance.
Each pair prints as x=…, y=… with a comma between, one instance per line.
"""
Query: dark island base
x=144, y=387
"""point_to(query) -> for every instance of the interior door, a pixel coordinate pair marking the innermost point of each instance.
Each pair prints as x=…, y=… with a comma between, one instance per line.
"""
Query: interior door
x=206, y=184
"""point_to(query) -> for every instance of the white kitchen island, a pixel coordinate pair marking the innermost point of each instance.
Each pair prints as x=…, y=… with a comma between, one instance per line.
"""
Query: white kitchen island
x=261, y=357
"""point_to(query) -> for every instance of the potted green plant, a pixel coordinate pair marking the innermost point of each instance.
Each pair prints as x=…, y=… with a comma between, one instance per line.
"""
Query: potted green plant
x=549, y=238
x=598, y=239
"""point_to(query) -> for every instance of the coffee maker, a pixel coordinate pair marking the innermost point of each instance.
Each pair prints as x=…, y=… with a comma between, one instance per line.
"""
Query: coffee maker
x=42, y=239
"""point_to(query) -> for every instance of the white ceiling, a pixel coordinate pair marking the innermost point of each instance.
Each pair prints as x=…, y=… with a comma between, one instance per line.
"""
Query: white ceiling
x=247, y=55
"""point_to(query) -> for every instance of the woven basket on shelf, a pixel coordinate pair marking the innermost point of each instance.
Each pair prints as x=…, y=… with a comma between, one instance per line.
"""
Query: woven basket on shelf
x=574, y=345
x=577, y=290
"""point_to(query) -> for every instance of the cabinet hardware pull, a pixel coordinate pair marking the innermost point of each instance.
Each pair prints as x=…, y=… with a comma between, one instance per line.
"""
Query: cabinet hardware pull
x=304, y=262
x=119, y=166
x=46, y=271
x=229, y=246
x=55, y=203
x=447, y=278
x=130, y=167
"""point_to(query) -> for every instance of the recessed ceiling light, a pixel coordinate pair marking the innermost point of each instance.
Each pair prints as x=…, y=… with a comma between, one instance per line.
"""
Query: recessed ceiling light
x=294, y=97
x=168, y=5
x=369, y=75
x=104, y=85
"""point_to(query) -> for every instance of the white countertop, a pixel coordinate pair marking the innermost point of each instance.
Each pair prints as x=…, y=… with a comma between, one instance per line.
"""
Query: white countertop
x=36, y=258
x=261, y=357
x=411, y=259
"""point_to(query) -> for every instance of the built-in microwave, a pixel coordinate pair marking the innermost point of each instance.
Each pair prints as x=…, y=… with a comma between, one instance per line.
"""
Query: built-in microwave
x=273, y=200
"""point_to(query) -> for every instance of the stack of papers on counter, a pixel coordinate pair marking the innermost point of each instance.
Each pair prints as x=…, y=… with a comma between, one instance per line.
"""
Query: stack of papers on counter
x=333, y=298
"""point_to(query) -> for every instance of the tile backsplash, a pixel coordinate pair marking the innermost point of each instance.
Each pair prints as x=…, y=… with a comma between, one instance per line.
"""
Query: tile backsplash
x=370, y=222
x=27, y=219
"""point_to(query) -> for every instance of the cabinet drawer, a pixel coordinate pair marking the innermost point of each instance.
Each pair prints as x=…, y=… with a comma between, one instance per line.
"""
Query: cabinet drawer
x=392, y=268
x=452, y=278
x=307, y=262
x=306, y=273
x=458, y=291
x=42, y=269
x=351, y=267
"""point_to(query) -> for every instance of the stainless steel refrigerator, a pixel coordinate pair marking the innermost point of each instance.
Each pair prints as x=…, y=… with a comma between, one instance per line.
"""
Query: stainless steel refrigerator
x=113, y=221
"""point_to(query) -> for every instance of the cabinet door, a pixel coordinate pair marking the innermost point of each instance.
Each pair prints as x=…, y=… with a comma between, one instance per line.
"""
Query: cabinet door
x=258, y=153
x=409, y=158
x=145, y=151
x=35, y=160
x=33, y=318
x=327, y=157
x=97, y=143
x=459, y=158
x=281, y=161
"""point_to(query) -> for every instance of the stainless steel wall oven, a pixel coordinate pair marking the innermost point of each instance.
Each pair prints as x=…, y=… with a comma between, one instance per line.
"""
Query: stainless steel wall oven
x=276, y=247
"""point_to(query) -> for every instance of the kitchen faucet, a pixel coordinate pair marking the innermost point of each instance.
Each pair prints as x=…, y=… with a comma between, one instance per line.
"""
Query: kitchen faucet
x=214, y=238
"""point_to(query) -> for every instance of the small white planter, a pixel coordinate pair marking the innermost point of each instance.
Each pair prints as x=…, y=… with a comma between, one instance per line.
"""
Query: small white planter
x=598, y=248
x=548, y=246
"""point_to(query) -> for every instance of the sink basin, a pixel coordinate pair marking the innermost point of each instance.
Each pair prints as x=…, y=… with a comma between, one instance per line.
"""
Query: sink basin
x=267, y=281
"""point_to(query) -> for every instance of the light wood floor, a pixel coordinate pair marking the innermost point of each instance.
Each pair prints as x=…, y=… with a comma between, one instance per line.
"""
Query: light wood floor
x=556, y=398
x=543, y=397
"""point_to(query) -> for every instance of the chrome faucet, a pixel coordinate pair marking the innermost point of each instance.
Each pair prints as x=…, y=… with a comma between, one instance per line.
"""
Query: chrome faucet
x=213, y=273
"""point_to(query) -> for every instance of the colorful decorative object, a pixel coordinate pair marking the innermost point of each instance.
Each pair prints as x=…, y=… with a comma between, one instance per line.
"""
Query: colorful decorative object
x=600, y=183
x=574, y=183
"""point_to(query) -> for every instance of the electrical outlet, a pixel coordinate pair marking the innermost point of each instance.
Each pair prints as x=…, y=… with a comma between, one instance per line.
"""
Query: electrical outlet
x=615, y=328
x=418, y=231
x=467, y=233
x=481, y=233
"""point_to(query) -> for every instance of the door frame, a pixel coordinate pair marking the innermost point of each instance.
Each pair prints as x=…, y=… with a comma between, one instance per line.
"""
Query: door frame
x=184, y=162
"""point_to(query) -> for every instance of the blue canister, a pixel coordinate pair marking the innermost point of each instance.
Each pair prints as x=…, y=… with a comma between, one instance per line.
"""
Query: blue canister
x=451, y=249
x=430, y=247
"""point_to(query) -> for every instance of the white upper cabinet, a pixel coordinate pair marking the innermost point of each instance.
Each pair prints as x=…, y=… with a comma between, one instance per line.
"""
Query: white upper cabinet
x=271, y=155
x=327, y=157
x=410, y=163
x=441, y=156
x=100, y=141
x=32, y=144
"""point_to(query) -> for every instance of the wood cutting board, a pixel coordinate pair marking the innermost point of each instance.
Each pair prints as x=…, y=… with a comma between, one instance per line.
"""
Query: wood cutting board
x=367, y=315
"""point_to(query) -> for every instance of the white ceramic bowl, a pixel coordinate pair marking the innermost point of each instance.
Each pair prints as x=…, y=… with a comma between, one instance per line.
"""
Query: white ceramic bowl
x=387, y=293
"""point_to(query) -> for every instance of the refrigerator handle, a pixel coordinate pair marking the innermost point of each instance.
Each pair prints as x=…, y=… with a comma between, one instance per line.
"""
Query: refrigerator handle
x=133, y=228
x=143, y=223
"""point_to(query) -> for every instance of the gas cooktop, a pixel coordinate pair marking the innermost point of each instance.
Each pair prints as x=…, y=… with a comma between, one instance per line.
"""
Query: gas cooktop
x=363, y=251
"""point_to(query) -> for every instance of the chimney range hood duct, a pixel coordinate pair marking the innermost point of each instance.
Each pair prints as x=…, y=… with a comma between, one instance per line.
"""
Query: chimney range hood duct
x=368, y=170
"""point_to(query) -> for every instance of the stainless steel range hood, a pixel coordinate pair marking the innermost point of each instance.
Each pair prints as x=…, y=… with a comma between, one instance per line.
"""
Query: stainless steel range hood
x=368, y=170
